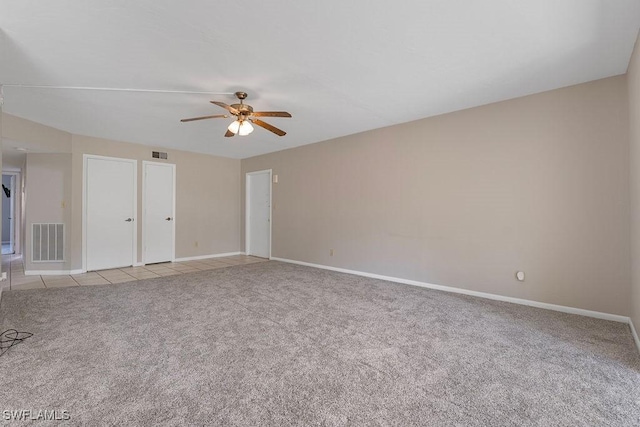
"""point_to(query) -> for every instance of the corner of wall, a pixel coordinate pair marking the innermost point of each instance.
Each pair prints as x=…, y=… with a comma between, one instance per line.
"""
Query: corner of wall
x=633, y=90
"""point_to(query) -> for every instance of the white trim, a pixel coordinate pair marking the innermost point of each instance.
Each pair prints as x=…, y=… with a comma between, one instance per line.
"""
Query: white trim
x=144, y=211
x=195, y=258
x=16, y=214
x=115, y=89
x=84, y=212
x=52, y=272
x=85, y=158
x=247, y=205
x=537, y=304
x=635, y=334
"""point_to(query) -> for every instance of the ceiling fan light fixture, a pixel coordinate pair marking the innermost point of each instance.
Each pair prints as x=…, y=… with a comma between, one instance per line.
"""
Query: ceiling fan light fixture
x=242, y=128
x=245, y=128
x=234, y=126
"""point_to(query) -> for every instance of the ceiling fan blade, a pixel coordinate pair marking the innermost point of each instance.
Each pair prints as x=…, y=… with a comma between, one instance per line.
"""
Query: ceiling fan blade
x=268, y=127
x=271, y=114
x=205, y=117
x=229, y=134
x=226, y=107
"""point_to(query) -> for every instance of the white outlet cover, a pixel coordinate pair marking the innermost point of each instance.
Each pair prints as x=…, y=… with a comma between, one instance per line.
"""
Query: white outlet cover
x=520, y=276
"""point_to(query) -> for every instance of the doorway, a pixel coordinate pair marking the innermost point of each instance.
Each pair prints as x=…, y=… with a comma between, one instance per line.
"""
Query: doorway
x=8, y=213
x=258, y=214
x=158, y=212
x=110, y=205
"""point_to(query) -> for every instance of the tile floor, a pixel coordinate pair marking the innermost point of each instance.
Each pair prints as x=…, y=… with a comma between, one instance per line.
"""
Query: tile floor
x=17, y=280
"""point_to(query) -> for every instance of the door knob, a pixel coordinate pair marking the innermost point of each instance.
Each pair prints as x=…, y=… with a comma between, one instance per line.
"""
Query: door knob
x=129, y=219
x=168, y=218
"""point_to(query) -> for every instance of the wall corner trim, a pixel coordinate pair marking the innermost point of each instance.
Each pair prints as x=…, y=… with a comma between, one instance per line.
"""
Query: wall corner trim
x=537, y=304
x=195, y=258
x=635, y=334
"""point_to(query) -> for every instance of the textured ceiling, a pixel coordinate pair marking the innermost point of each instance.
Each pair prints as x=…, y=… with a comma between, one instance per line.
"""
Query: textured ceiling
x=340, y=67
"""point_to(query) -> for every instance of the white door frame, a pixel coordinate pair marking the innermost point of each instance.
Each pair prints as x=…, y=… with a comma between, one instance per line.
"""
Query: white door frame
x=85, y=160
x=247, y=186
x=16, y=211
x=12, y=207
x=144, y=208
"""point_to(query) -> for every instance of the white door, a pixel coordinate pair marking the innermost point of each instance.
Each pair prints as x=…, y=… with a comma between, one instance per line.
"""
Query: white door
x=12, y=220
x=159, y=210
x=258, y=215
x=110, y=212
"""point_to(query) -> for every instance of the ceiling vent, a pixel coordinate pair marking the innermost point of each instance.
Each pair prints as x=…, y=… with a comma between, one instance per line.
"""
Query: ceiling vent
x=159, y=155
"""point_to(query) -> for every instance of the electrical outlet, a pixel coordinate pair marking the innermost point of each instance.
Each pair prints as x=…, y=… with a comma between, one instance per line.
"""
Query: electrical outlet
x=330, y=252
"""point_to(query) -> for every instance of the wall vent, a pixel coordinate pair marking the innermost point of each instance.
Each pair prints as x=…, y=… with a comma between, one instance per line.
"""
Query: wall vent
x=47, y=243
x=159, y=155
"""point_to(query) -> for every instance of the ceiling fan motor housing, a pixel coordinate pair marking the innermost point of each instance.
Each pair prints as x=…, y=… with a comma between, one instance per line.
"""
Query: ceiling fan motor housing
x=244, y=109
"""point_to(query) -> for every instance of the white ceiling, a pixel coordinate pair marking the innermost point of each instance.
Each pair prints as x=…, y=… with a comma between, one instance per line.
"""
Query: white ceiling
x=340, y=67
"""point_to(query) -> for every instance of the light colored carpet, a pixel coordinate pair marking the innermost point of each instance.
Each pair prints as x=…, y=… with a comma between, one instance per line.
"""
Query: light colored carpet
x=280, y=344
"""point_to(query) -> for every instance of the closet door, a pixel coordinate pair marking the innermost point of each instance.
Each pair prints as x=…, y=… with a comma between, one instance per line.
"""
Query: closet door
x=110, y=215
x=258, y=215
x=158, y=212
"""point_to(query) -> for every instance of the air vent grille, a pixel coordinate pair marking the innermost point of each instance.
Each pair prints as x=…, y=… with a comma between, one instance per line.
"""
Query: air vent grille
x=159, y=155
x=47, y=242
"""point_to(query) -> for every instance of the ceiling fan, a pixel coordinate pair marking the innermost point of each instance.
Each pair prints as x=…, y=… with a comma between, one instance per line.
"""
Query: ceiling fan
x=244, y=117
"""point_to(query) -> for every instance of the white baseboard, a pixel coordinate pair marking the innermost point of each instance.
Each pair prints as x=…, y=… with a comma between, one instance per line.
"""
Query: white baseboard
x=52, y=272
x=537, y=304
x=635, y=334
x=195, y=258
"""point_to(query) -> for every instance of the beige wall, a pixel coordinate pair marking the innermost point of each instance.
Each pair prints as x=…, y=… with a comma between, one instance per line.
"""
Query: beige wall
x=34, y=136
x=539, y=184
x=207, y=197
x=38, y=139
x=633, y=79
x=47, y=200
